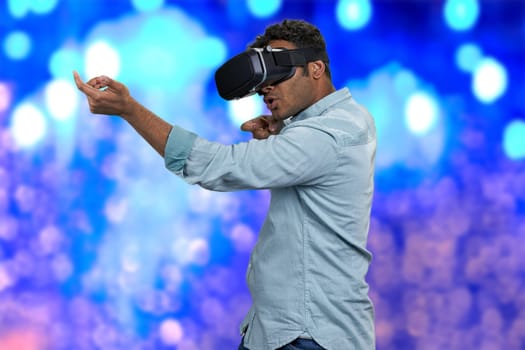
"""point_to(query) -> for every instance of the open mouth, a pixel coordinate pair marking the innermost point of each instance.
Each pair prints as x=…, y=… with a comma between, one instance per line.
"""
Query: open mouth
x=269, y=102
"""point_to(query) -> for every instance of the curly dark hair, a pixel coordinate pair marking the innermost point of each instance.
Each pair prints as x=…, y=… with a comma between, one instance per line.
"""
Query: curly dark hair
x=300, y=33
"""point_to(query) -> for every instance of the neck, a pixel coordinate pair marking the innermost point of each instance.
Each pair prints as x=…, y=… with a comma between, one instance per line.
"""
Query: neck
x=325, y=89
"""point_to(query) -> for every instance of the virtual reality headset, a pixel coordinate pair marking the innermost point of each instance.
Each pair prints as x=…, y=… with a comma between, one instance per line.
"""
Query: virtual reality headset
x=247, y=73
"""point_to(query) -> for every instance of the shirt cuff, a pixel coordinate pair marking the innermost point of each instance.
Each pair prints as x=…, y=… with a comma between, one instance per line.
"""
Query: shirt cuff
x=178, y=147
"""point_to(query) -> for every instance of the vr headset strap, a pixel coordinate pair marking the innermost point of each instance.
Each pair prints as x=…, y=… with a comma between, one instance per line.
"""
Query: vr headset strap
x=299, y=57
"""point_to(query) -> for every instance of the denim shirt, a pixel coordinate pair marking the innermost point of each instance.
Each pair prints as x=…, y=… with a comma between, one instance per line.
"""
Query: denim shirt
x=307, y=270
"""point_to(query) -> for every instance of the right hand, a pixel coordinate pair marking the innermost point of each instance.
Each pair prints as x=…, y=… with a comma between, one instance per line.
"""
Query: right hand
x=113, y=100
x=263, y=126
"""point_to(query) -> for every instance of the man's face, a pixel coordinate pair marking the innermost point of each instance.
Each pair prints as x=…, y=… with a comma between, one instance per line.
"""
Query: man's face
x=291, y=96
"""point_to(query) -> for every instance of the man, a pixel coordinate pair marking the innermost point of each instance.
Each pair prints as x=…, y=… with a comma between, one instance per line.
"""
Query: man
x=316, y=155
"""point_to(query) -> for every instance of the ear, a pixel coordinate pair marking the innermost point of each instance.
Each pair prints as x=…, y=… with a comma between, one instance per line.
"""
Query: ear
x=317, y=69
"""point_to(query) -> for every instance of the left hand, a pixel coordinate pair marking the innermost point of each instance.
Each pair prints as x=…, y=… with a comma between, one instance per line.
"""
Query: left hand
x=262, y=127
x=113, y=100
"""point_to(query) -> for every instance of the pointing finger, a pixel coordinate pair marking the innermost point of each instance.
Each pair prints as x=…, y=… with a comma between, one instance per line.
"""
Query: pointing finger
x=256, y=123
x=250, y=125
x=85, y=88
x=78, y=81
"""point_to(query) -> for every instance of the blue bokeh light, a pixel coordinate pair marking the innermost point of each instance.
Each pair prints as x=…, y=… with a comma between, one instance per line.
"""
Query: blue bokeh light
x=489, y=80
x=147, y=5
x=514, y=140
x=17, y=45
x=264, y=8
x=64, y=61
x=43, y=7
x=61, y=99
x=28, y=125
x=353, y=14
x=210, y=52
x=461, y=15
x=405, y=82
x=102, y=58
x=468, y=57
x=18, y=8
x=421, y=113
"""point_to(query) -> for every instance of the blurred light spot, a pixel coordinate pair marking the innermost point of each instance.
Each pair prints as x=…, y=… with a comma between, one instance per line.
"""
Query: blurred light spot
x=42, y=7
x=62, y=267
x=158, y=302
x=199, y=199
x=353, y=14
x=162, y=51
x=50, y=238
x=17, y=45
x=405, y=82
x=264, y=8
x=28, y=125
x=63, y=62
x=102, y=59
x=23, y=339
x=227, y=206
x=4, y=199
x=172, y=277
x=116, y=209
x=489, y=80
x=8, y=228
x=61, y=99
x=245, y=109
x=147, y=5
x=129, y=261
x=211, y=52
x=23, y=264
x=243, y=238
x=171, y=332
x=212, y=311
x=514, y=140
x=104, y=335
x=461, y=14
x=5, y=97
x=5, y=278
x=199, y=251
x=194, y=251
x=25, y=197
x=468, y=56
x=18, y=8
x=420, y=113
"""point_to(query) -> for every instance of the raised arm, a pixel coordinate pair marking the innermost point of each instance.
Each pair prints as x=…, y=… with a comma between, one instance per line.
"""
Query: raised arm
x=109, y=97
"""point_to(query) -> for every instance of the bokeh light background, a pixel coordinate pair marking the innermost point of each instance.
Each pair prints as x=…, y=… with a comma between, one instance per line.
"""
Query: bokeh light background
x=102, y=248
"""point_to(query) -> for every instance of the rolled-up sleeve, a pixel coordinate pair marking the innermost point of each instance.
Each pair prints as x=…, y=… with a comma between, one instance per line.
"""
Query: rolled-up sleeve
x=178, y=147
x=299, y=155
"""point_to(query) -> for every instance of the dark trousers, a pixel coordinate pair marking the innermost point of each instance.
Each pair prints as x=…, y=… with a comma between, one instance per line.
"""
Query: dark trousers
x=297, y=344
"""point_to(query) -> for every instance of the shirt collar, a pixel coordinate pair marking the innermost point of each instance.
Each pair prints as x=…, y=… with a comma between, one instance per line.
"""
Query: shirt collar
x=323, y=104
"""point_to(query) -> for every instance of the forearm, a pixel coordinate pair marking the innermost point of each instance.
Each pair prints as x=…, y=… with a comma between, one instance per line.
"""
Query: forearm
x=152, y=128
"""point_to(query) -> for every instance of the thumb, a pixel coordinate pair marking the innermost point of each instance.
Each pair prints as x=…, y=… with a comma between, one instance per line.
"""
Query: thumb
x=275, y=126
